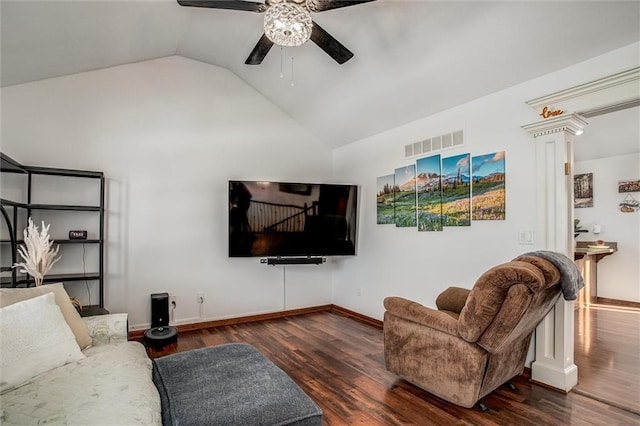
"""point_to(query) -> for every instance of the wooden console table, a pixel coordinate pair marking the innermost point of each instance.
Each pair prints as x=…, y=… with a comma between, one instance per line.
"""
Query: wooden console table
x=587, y=257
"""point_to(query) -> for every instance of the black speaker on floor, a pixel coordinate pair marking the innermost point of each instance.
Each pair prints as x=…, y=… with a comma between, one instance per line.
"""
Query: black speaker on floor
x=159, y=309
x=160, y=333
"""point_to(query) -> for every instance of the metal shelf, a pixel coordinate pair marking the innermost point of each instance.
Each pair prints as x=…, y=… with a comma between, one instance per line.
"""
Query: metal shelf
x=53, y=278
x=50, y=206
x=64, y=207
x=10, y=203
x=92, y=310
x=9, y=165
x=55, y=241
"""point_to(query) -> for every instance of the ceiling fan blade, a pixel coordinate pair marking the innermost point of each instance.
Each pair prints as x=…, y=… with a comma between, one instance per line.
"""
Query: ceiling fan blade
x=330, y=45
x=248, y=6
x=321, y=5
x=259, y=51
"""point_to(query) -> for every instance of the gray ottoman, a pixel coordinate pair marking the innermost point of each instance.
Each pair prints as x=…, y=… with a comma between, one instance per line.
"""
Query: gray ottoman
x=232, y=384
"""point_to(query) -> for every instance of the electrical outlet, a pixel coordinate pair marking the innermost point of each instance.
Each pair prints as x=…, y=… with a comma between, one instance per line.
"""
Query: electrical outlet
x=173, y=301
x=359, y=291
x=200, y=297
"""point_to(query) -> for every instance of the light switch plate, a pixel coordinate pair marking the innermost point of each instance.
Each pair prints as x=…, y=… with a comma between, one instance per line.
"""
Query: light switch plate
x=525, y=237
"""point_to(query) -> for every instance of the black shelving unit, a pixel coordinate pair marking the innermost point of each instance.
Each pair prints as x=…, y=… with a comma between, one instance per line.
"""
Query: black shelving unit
x=13, y=210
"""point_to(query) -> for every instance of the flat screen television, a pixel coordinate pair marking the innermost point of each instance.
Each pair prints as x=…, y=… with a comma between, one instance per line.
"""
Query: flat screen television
x=275, y=219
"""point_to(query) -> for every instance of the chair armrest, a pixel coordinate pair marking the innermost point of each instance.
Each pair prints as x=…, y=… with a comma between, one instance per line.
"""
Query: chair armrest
x=452, y=299
x=415, y=312
x=105, y=329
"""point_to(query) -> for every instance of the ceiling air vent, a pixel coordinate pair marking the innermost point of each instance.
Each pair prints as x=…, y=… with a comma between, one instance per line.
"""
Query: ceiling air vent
x=408, y=150
x=417, y=148
x=435, y=143
x=457, y=138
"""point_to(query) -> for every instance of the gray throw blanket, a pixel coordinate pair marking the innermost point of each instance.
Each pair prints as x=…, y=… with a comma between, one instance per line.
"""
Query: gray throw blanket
x=231, y=384
x=570, y=277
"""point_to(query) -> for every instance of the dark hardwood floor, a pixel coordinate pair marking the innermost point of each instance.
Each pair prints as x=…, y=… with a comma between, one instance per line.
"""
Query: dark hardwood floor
x=338, y=361
x=607, y=353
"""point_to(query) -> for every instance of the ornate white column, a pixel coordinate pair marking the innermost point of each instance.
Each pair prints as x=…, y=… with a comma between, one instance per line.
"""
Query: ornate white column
x=554, y=365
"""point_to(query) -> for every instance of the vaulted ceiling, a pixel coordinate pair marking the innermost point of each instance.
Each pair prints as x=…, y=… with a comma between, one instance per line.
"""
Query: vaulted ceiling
x=412, y=58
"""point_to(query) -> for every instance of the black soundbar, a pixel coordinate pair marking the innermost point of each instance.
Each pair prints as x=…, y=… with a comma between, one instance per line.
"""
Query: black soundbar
x=316, y=260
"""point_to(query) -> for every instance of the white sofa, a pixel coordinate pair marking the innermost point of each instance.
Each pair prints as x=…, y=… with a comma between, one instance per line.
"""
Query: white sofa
x=110, y=385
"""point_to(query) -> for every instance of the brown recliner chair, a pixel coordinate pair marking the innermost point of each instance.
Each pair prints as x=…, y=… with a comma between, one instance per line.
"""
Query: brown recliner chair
x=478, y=339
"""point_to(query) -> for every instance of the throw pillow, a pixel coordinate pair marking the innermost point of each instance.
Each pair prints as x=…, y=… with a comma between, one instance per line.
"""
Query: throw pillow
x=9, y=296
x=34, y=338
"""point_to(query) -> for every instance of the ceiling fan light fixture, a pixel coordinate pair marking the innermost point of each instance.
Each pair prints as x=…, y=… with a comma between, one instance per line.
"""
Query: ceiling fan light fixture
x=287, y=24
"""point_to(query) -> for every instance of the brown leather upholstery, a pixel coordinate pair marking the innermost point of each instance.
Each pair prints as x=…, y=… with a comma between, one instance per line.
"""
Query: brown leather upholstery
x=477, y=339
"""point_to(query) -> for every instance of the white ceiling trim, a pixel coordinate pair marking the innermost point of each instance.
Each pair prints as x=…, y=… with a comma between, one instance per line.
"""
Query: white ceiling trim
x=618, y=89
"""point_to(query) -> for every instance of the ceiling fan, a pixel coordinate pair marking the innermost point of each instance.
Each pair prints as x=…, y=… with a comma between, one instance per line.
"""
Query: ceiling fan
x=286, y=23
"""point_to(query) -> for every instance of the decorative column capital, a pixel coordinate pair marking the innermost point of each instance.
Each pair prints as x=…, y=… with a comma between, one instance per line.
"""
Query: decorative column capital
x=572, y=123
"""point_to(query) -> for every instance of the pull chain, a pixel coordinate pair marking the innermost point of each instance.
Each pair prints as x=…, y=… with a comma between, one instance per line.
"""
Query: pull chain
x=292, y=82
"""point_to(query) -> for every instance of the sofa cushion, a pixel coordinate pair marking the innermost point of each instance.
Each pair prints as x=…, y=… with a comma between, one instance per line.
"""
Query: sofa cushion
x=34, y=338
x=9, y=296
x=111, y=386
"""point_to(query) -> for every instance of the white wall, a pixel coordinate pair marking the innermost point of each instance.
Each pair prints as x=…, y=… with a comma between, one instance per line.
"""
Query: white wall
x=169, y=134
x=618, y=274
x=419, y=265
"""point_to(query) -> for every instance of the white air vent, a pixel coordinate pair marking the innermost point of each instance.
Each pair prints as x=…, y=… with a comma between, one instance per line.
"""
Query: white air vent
x=435, y=143
x=417, y=148
x=447, y=141
x=457, y=138
x=408, y=150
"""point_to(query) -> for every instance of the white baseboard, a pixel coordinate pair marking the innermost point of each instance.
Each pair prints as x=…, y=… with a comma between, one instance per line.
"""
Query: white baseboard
x=563, y=379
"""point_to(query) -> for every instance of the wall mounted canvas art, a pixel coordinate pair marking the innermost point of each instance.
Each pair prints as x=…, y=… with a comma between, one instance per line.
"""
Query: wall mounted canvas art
x=583, y=190
x=405, y=196
x=488, y=187
x=384, y=196
x=629, y=185
x=429, y=171
x=456, y=190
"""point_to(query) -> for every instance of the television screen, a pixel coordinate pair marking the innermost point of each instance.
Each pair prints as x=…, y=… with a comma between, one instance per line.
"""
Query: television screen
x=291, y=219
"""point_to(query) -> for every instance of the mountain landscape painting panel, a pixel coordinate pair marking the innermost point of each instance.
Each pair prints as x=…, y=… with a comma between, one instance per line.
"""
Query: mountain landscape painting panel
x=456, y=190
x=385, y=202
x=429, y=188
x=405, y=196
x=488, y=186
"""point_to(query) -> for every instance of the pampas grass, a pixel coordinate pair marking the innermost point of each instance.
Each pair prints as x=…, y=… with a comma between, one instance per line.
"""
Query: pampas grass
x=38, y=252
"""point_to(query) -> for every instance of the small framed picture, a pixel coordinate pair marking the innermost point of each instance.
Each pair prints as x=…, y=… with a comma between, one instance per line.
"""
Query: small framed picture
x=583, y=190
x=629, y=185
